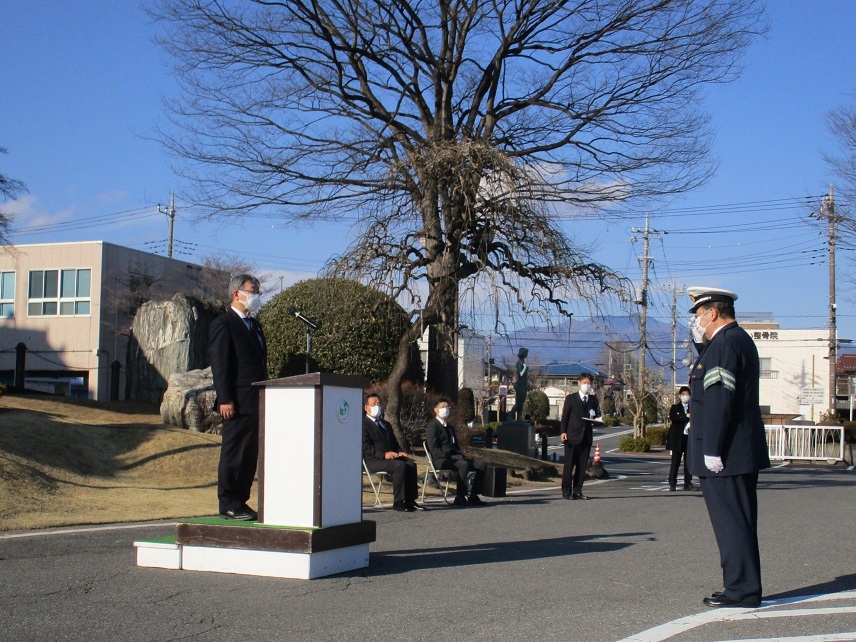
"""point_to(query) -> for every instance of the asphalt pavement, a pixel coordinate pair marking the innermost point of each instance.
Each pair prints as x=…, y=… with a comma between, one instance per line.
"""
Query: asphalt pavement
x=633, y=563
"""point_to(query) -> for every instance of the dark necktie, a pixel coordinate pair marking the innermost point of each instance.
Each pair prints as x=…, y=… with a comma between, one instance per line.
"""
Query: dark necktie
x=254, y=331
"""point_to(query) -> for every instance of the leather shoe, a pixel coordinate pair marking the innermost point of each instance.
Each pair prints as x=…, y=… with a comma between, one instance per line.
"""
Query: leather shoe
x=578, y=496
x=416, y=506
x=722, y=601
x=672, y=488
x=566, y=497
x=690, y=487
x=403, y=507
x=243, y=514
x=460, y=501
x=474, y=500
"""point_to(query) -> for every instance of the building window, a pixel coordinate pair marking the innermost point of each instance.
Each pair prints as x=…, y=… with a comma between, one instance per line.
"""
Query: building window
x=767, y=371
x=7, y=295
x=59, y=292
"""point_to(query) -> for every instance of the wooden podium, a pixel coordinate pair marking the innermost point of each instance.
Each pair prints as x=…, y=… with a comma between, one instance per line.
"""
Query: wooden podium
x=310, y=491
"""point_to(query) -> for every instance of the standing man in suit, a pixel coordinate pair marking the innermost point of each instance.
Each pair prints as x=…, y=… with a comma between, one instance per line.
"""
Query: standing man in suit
x=676, y=440
x=578, y=413
x=727, y=444
x=238, y=355
x=381, y=452
x=446, y=453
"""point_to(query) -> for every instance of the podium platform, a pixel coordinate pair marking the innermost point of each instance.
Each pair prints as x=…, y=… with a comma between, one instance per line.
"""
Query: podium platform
x=310, y=491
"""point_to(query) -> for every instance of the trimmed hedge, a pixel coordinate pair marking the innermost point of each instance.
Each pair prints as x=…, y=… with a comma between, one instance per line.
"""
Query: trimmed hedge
x=631, y=444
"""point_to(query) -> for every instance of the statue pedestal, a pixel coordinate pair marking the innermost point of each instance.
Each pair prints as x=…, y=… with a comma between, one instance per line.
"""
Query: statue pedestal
x=310, y=491
x=517, y=437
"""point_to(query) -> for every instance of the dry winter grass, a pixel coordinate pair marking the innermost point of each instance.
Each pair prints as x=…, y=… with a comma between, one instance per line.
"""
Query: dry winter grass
x=68, y=462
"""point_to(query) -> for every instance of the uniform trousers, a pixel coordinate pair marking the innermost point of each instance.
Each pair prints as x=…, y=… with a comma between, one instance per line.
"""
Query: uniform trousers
x=239, y=457
x=403, y=473
x=574, y=472
x=732, y=504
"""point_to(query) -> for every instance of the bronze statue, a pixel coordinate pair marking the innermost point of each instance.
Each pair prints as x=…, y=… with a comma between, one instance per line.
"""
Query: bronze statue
x=520, y=385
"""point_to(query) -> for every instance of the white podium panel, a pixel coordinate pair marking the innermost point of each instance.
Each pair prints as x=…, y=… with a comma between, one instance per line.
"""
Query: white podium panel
x=310, y=471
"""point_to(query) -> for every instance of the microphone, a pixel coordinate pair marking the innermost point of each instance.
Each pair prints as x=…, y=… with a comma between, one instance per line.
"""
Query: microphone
x=312, y=324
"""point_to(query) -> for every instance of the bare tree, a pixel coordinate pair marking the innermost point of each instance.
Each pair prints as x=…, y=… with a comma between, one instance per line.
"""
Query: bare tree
x=841, y=124
x=10, y=188
x=450, y=129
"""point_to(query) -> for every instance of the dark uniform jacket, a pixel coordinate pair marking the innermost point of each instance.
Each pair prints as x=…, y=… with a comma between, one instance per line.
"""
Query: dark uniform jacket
x=679, y=421
x=238, y=358
x=441, y=441
x=726, y=416
x=573, y=412
x=377, y=440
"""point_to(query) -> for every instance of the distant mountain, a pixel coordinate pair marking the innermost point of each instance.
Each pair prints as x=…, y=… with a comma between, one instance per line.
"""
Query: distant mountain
x=585, y=340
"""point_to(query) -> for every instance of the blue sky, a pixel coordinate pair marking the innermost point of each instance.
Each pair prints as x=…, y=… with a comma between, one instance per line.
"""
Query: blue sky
x=82, y=84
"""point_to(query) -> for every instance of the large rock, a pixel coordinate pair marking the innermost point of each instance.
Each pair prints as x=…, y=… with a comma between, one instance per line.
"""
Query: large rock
x=189, y=402
x=167, y=337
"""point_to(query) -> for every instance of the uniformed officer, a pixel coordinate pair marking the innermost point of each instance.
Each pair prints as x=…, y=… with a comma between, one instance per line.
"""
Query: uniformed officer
x=727, y=444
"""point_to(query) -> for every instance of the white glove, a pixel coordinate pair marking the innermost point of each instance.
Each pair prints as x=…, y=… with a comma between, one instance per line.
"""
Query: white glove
x=687, y=429
x=713, y=464
x=592, y=413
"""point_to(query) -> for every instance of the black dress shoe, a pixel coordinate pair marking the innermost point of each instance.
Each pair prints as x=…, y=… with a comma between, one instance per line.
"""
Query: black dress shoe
x=474, y=500
x=460, y=501
x=416, y=506
x=403, y=507
x=672, y=488
x=566, y=496
x=578, y=496
x=721, y=601
x=240, y=514
x=689, y=487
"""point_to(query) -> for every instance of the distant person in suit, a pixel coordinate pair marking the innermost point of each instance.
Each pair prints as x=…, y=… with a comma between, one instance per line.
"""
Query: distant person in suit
x=381, y=452
x=727, y=443
x=579, y=411
x=238, y=355
x=676, y=440
x=446, y=453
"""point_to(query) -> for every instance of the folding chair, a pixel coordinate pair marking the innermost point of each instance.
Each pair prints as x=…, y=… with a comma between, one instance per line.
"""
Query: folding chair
x=382, y=476
x=444, y=474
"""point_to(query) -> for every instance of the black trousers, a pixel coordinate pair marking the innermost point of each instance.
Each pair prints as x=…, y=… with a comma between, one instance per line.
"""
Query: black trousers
x=676, y=462
x=732, y=504
x=464, y=466
x=574, y=472
x=239, y=458
x=403, y=473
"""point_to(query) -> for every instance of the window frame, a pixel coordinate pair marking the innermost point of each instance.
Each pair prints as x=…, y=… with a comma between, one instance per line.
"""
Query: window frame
x=53, y=306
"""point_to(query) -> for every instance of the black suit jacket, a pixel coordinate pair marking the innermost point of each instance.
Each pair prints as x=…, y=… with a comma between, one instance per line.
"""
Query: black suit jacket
x=377, y=441
x=679, y=421
x=726, y=417
x=579, y=431
x=440, y=443
x=238, y=359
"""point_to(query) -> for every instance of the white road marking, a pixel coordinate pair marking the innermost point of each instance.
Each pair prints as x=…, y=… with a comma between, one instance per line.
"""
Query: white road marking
x=676, y=627
x=88, y=529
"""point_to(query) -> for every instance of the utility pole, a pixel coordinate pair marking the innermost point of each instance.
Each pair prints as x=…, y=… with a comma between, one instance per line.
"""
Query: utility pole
x=642, y=295
x=829, y=213
x=170, y=214
x=675, y=293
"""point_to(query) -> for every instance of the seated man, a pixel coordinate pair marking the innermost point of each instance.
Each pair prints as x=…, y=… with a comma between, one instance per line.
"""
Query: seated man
x=446, y=453
x=381, y=452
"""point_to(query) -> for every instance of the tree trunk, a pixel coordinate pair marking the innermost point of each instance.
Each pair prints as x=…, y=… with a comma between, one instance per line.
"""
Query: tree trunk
x=442, y=366
x=393, y=387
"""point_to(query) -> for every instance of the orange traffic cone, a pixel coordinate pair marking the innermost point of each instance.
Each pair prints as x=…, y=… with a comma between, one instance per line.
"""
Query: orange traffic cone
x=595, y=469
x=597, y=453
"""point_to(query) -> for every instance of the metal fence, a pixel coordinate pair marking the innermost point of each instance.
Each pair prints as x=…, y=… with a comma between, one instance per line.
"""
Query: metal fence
x=809, y=443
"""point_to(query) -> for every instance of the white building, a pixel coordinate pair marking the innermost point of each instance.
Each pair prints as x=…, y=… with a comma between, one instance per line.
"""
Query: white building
x=72, y=304
x=792, y=361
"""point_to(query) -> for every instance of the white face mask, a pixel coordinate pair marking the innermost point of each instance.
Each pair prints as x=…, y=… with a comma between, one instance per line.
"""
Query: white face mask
x=443, y=413
x=585, y=388
x=698, y=329
x=685, y=398
x=374, y=412
x=253, y=302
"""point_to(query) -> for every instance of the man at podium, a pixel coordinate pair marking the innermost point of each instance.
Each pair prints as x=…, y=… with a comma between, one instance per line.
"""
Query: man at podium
x=238, y=355
x=381, y=452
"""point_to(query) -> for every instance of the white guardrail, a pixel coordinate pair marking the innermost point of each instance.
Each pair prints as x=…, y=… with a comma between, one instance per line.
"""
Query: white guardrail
x=810, y=443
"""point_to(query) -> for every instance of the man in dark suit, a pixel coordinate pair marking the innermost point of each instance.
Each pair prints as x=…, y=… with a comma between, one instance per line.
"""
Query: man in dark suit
x=727, y=444
x=238, y=355
x=446, y=453
x=676, y=439
x=578, y=413
x=381, y=452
